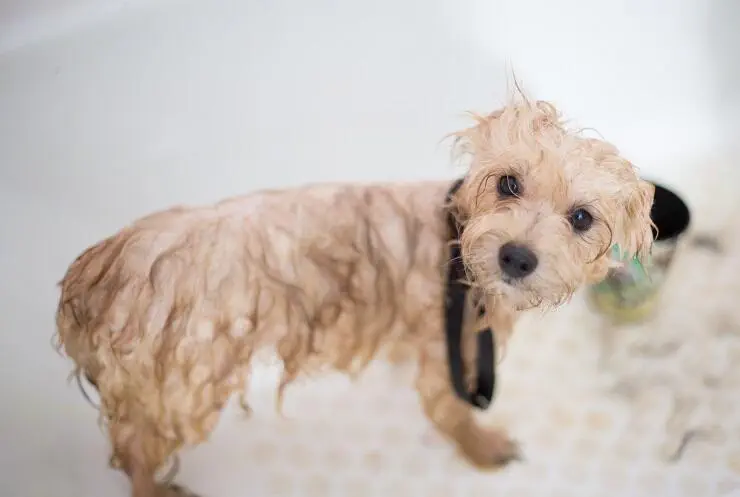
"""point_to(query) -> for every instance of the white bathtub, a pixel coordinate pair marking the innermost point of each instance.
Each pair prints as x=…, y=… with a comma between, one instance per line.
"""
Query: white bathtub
x=111, y=110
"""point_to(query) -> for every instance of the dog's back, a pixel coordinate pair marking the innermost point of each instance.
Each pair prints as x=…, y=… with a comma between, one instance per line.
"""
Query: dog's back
x=164, y=316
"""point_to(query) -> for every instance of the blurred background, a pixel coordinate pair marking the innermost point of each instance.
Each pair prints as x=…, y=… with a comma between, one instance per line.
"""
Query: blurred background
x=110, y=109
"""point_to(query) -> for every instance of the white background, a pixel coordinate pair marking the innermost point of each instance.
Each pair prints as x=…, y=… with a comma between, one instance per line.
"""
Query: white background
x=110, y=109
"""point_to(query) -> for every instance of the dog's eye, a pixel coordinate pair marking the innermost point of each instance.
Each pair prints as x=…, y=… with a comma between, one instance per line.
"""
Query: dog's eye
x=581, y=219
x=508, y=186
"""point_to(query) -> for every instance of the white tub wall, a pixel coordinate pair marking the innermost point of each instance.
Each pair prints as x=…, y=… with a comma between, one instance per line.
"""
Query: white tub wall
x=24, y=22
x=635, y=66
x=251, y=85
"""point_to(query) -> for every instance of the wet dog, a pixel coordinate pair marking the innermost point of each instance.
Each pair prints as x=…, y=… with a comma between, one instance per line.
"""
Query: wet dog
x=165, y=316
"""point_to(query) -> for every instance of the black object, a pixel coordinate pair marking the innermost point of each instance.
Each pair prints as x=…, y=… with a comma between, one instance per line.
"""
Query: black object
x=669, y=213
x=455, y=294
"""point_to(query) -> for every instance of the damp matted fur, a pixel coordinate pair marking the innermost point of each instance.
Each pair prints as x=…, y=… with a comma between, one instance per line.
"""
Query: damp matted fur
x=165, y=316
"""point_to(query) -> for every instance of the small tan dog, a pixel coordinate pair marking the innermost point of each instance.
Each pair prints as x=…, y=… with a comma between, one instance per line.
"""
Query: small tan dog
x=165, y=316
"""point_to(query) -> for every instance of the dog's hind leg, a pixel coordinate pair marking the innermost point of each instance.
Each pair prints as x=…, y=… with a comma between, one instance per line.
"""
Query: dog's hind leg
x=146, y=435
x=140, y=451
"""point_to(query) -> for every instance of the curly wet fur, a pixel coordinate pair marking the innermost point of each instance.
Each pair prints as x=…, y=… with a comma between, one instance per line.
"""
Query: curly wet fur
x=165, y=316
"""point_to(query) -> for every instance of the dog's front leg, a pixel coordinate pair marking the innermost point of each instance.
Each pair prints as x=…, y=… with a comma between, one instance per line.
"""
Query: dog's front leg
x=485, y=447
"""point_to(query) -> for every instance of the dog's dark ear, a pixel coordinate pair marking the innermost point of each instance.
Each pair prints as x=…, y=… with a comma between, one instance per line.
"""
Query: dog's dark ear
x=635, y=236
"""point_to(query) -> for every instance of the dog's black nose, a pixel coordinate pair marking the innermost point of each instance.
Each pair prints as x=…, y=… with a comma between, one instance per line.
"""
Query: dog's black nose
x=516, y=261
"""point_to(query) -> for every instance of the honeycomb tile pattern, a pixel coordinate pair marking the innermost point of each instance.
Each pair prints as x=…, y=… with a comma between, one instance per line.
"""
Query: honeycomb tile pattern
x=634, y=411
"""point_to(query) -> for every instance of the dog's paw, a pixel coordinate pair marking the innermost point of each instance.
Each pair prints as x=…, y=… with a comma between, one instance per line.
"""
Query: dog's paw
x=175, y=490
x=489, y=448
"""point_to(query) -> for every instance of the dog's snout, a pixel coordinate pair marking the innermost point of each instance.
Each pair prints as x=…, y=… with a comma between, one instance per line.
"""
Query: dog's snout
x=517, y=261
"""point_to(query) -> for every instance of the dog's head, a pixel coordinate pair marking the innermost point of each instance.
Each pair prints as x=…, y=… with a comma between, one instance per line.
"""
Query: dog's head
x=542, y=205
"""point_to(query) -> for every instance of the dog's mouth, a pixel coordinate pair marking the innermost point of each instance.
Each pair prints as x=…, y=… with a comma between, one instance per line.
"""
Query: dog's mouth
x=510, y=287
x=523, y=295
x=516, y=284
